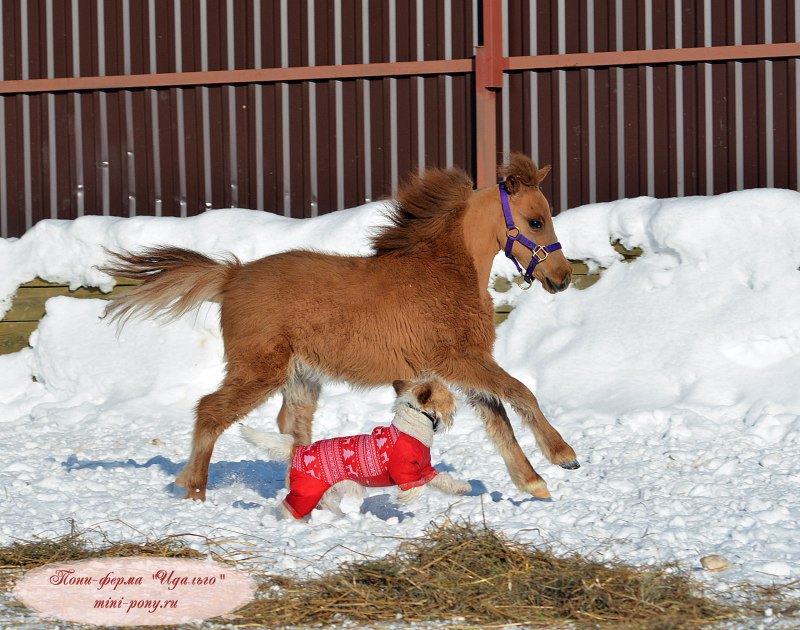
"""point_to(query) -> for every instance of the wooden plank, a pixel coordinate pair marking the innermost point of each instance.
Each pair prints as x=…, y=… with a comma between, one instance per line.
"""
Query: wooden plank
x=580, y=268
x=38, y=282
x=584, y=282
x=28, y=308
x=14, y=335
x=28, y=304
x=629, y=254
x=501, y=285
x=501, y=315
x=581, y=276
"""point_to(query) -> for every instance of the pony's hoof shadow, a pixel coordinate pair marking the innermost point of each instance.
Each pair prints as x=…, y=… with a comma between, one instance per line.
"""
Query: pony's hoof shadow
x=499, y=496
x=179, y=492
x=571, y=465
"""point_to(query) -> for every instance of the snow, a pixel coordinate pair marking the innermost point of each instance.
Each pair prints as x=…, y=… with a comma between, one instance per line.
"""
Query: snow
x=675, y=378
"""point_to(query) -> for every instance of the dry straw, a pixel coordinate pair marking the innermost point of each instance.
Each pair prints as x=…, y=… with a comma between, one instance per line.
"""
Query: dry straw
x=24, y=555
x=471, y=575
x=464, y=574
x=83, y=545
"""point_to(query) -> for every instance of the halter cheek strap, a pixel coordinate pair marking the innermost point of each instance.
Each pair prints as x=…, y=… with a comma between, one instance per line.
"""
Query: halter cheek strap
x=513, y=235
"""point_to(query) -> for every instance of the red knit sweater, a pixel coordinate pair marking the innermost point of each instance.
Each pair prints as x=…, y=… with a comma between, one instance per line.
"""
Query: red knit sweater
x=385, y=457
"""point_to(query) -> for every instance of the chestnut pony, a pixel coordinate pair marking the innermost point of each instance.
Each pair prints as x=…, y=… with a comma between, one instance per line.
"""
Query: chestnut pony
x=419, y=304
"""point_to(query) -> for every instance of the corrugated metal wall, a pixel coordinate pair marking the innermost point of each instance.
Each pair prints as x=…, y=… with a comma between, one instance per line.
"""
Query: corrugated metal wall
x=304, y=148
x=293, y=148
x=664, y=130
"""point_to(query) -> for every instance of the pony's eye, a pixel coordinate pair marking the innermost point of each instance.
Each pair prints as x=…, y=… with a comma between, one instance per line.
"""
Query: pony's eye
x=535, y=224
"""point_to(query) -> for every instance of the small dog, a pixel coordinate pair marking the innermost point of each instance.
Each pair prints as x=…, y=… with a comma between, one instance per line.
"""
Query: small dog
x=395, y=455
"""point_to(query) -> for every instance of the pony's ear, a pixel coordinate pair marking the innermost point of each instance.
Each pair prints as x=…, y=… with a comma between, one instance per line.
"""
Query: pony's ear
x=542, y=173
x=400, y=386
x=512, y=184
x=423, y=394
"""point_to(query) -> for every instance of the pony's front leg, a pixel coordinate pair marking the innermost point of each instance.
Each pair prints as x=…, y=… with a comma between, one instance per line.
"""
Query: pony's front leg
x=490, y=384
x=499, y=430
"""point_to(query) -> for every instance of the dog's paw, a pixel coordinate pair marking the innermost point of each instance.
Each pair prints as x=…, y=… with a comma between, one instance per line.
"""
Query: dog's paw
x=447, y=483
x=462, y=487
x=406, y=496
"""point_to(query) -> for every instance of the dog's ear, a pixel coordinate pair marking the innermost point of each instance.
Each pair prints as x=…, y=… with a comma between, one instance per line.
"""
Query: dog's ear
x=400, y=386
x=424, y=393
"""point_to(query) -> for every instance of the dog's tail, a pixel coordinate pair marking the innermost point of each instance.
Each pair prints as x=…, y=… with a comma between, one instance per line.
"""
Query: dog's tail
x=175, y=280
x=277, y=445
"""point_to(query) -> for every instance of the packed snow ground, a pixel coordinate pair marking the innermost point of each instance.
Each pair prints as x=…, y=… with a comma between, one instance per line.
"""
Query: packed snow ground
x=676, y=378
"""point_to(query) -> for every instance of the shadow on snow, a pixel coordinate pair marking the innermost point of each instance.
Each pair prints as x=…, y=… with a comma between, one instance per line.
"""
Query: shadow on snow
x=264, y=478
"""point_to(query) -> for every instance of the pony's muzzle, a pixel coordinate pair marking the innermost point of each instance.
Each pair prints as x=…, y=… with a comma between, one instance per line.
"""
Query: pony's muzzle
x=558, y=287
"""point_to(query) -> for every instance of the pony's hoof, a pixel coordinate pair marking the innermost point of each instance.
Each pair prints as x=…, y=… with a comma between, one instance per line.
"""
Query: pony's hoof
x=538, y=489
x=193, y=490
x=198, y=494
x=570, y=465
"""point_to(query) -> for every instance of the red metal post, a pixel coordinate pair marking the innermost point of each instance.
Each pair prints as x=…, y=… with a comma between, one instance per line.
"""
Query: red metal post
x=488, y=81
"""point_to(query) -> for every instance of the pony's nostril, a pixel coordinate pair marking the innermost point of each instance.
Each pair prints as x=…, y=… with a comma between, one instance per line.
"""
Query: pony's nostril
x=561, y=286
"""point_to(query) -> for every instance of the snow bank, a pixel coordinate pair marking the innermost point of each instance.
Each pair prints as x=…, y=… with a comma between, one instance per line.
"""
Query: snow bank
x=69, y=251
x=709, y=315
x=675, y=378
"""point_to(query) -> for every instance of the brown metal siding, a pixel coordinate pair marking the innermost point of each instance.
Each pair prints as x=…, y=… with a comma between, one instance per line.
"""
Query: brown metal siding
x=15, y=176
x=794, y=107
x=547, y=130
x=707, y=129
x=782, y=121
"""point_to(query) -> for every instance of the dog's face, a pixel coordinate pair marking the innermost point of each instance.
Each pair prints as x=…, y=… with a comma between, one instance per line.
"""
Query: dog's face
x=430, y=396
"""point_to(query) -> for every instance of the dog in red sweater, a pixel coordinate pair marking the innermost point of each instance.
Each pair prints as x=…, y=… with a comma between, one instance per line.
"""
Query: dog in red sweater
x=398, y=454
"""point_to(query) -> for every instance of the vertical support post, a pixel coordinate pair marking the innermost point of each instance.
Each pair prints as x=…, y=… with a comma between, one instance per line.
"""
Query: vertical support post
x=488, y=81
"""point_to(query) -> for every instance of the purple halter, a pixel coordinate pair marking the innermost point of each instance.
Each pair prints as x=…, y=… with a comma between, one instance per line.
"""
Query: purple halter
x=513, y=234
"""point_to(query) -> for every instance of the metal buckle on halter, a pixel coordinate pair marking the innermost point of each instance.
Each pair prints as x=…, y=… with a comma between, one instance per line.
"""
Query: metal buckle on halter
x=510, y=235
x=538, y=254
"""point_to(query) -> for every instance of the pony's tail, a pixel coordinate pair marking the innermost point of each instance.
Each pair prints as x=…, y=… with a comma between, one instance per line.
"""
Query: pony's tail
x=277, y=445
x=175, y=281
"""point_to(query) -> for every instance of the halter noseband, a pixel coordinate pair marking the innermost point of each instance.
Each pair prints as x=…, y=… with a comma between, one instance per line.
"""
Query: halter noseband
x=513, y=234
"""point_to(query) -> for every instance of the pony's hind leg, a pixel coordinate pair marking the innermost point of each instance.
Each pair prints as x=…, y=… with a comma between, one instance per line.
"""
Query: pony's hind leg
x=300, y=396
x=237, y=397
